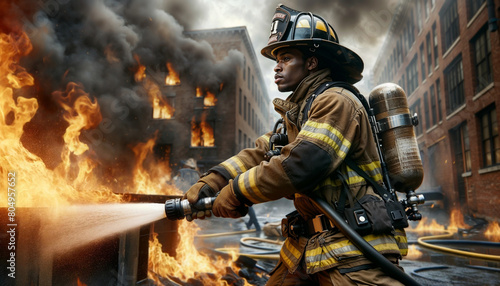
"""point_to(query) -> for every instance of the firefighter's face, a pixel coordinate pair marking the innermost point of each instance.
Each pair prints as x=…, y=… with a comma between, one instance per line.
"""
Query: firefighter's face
x=291, y=68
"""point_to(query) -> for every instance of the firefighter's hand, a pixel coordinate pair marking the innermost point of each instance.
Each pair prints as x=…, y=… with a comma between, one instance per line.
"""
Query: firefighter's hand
x=198, y=191
x=207, y=186
x=228, y=205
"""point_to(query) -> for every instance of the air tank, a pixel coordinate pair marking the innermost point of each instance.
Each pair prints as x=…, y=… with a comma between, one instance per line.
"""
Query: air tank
x=397, y=136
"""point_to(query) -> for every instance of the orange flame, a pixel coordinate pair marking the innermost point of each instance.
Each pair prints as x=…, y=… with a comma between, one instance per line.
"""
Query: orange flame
x=172, y=77
x=209, y=98
x=73, y=180
x=413, y=253
x=151, y=180
x=493, y=232
x=456, y=222
x=140, y=73
x=161, y=108
x=189, y=263
x=80, y=283
x=202, y=134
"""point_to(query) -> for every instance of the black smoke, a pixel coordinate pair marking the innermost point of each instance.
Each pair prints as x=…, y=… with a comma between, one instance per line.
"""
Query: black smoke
x=96, y=43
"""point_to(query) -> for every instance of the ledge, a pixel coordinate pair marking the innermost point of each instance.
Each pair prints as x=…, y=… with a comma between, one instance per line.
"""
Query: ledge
x=489, y=169
x=456, y=111
x=451, y=47
x=483, y=91
x=466, y=174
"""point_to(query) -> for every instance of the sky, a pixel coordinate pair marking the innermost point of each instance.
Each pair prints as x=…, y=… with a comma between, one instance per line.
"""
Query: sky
x=361, y=26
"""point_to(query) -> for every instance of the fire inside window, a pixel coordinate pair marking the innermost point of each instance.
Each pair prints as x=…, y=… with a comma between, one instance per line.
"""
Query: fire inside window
x=209, y=98
x=202, y=134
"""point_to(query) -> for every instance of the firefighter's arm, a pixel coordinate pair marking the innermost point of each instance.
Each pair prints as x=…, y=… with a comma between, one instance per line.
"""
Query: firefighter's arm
x=318, y=150
x=245, y=159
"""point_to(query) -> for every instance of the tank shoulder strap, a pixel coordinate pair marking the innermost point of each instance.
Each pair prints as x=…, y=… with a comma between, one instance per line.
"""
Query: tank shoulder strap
x=327, y=85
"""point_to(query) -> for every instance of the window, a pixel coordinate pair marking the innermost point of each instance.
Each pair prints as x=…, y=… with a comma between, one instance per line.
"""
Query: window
x=438, y=95
x=449, y=24
x=420, y=19
x=482, y=59
x=240, y=146
x=409, y=32
x=412, y=76
x=240, y=102
x=454, y=80
x=426, y=111
x=435, y=40
x=489, y=137
x=473, y=6
x=429, y=52
x=202, y=134
x=244, y=67
x=459, y=137
x=248, y=82
x=244, y=141
x=415, y=108
x=422, y=61
x=427, y=8
x=434, y=106
x=249, y=107
x=163, y=106
x=245, y=107
x=464, y=130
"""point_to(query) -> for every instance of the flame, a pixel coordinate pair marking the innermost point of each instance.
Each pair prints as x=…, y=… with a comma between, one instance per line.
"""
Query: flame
x=161, y=108
x=209, y=98
x=172, y=77
x=73, y=180
x=493, y=232
x=189, y=263
x=151, y=180
x=202, y=134
x=456, y=222
x=80, y=283
x=140, y=73
x=413, y=253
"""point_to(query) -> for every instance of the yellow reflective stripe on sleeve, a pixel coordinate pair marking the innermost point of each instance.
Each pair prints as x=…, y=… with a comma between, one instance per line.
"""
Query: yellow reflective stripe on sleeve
x=265, y=137
x=289, y=252
x=248, y=187
x=234, y=166
x=329, y=135
x=250, y=183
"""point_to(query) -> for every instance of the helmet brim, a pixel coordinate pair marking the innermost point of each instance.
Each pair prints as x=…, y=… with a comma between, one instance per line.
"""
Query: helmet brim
x=340, y=58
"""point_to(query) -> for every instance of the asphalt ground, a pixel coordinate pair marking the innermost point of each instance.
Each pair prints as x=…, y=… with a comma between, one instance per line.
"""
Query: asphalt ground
x=429, y=267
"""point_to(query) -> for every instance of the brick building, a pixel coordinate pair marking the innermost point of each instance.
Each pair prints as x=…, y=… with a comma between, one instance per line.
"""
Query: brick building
x=213, y=124
x=445, y=54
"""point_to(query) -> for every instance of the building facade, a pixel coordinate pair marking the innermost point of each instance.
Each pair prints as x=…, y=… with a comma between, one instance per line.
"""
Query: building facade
x=445, y=55
x=212, y=123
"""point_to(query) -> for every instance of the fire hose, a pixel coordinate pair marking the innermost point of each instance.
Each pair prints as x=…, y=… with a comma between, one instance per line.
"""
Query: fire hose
x=176, y=209
x=421, y=241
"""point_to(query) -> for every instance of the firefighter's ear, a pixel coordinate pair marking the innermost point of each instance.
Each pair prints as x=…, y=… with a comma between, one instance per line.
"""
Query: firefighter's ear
x=312, y=63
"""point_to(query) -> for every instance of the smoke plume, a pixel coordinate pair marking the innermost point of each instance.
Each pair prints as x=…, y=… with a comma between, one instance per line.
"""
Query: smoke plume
x=96, y=44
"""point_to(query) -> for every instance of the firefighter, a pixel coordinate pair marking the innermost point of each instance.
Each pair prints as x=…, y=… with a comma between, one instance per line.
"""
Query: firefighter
x=307, y=54
x=188, y=175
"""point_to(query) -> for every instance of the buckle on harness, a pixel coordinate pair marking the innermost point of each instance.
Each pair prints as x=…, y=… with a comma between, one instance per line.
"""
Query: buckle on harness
x=294, y=225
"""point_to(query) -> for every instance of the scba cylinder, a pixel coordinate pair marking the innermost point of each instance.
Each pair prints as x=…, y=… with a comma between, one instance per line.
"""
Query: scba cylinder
x=399, y=144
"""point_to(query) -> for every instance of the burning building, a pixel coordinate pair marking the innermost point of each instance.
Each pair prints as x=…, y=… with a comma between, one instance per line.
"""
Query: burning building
x=99, y=101
x=213, y=122
x=445, y=56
